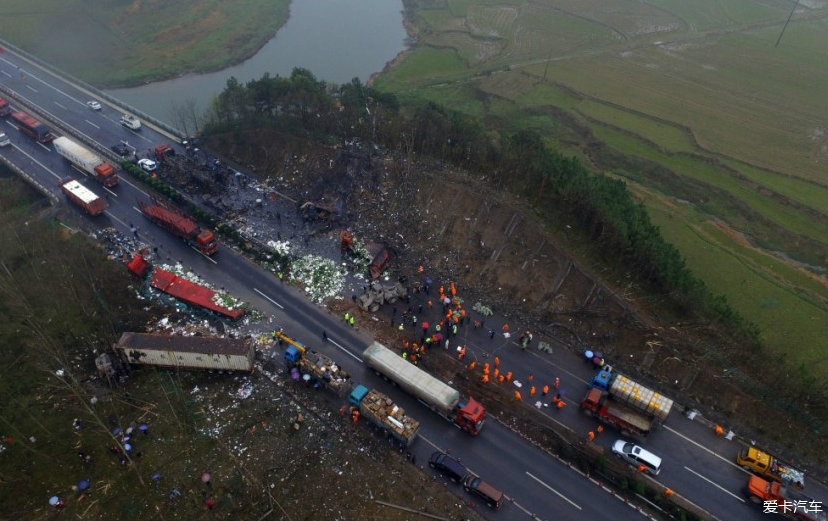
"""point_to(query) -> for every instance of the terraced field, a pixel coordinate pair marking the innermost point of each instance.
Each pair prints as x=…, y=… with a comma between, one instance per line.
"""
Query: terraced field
x=722, y=134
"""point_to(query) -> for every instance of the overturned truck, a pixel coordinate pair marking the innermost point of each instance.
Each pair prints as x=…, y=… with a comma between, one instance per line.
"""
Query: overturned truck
x=186, y=352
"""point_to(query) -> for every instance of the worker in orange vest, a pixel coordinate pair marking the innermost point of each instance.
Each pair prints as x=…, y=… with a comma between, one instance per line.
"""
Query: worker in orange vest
x=472, y=366
x=496, y=372
x=719, y=430
x=509, y=376
x=600, y=429
x=518, y=397
x=545, y=390
x=532, y=391
x=501, y=379
x=486, y=368
x=461, y=353
x=668, y=492
x=485, y=378
x=642, y=468
x=505, y=328
x=355, y=417
x=530, y=377
x=453, y=289
x=497, y=361
x=591, y=435
x=560, y=404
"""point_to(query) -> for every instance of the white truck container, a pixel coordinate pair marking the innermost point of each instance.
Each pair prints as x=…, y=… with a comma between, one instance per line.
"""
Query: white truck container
x=86, y=161
x=186, y=352
x=83, y=197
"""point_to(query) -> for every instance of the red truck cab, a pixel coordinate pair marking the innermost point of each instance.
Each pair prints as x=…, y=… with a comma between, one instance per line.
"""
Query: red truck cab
x=471, y=416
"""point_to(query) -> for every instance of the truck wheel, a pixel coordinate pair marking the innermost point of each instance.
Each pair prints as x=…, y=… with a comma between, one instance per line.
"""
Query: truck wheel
x=754, y=499
x=747, y=468
x=430, y=464
x=467, y=489
x=588, y=412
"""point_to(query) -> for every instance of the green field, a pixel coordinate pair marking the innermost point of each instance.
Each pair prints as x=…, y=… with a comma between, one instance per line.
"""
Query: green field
x=694, y=104
x=126, y=43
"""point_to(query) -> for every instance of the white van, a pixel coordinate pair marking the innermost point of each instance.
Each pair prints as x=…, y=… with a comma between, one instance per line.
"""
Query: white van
x=637, y=456
x=130, y=121
x=4, y=140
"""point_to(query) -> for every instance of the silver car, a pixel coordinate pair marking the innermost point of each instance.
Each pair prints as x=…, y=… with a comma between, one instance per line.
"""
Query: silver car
x=637, y=456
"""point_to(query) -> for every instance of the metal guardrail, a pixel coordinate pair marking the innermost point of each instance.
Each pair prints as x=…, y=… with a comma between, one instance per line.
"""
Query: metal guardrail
x=97, y=92
x=29, y=179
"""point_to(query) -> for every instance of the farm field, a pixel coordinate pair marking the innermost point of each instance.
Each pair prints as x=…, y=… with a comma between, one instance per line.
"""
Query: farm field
x=722, y=135
x=144, y=42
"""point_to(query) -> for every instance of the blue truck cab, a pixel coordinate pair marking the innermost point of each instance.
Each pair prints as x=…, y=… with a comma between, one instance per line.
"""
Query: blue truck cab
x=292, y=356
x=356, y=396
x=602, y=379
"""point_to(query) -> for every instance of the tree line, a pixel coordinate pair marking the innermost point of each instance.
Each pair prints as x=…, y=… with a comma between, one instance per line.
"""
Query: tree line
x=558, y=186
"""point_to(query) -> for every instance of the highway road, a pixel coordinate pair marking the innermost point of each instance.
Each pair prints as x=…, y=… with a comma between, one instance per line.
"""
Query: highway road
x=697, y=464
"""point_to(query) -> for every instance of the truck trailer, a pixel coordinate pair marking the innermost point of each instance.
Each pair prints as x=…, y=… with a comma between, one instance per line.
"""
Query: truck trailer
x=468, y=416
x=179, y=225
x=186, y=352
x=83, y=197
x=86, y=161
x=763, y=464
x=32, y=127
x=5, y=108
x=319, y=368
x=625, y=404
x=380, y=410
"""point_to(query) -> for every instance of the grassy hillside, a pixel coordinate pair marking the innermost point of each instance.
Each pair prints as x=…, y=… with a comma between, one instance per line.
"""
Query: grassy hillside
x=721, y=134
x=120, y=42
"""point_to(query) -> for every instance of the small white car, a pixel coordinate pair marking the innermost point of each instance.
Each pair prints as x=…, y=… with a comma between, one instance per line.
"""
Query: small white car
x=94, y=105
x=637, y=456
x=147, y=165
x=4, y=140
x=130, y=121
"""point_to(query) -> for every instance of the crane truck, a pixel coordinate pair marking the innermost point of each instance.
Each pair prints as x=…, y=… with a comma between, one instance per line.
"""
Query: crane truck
x=775, y=497
x=627, y=405
x=181, y=226
x=85, y=161
x=468, y=416
x=319, y=368
x=83, y=197
x=763, y=464
x=380, y=410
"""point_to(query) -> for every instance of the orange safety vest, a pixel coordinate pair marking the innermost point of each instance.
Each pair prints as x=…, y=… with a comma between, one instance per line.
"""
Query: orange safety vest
x=517, y=396
x=497, y=361
x=472, y=366
x=532, y=391
x=545, y=390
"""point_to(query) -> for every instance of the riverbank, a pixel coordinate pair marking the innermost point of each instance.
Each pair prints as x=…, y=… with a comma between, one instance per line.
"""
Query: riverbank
x=113, y=47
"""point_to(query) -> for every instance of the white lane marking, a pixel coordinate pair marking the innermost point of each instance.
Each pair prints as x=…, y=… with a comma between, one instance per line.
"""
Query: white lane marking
x=528, y=513
x=44, y=167
x=113, y=217
x=122, y=180
x=31, y=88
x=110, y=191
x=6, y=73
x=268, y=298
x=704, y=448
x=12, y=124
x=44, y=146
x=136, y=209
x=714, y=484
x=35, y=77
x=202, y=254
x=94, y=125
x=355, y=357
x=59, y=105
x=555, y=491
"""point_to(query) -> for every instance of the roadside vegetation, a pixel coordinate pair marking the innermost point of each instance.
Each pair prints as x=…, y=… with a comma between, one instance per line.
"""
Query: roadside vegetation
x=717, y=132
x=116, y=44
x=613, y=230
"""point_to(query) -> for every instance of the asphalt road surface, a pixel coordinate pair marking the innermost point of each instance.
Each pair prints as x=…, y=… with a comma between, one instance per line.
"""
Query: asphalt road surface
x=697, y=464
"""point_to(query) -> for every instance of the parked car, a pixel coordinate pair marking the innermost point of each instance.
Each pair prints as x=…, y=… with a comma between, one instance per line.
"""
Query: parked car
x=448, y=466
x=94, y=105
x=130, y=121
x=492, y=496
x=147, y=165
x=637, y=456
x=4, y=140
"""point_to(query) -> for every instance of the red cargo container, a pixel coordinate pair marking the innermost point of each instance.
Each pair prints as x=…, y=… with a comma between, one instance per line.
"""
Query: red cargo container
x=190, y=292
x=32, y=127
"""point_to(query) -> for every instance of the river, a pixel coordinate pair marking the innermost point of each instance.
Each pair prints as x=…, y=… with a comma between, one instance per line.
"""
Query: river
x=337, y=40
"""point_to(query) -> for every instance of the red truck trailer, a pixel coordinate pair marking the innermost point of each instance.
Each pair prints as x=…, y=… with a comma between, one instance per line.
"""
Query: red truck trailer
x=32, y=127
x=83, y=197
x=181, y=226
